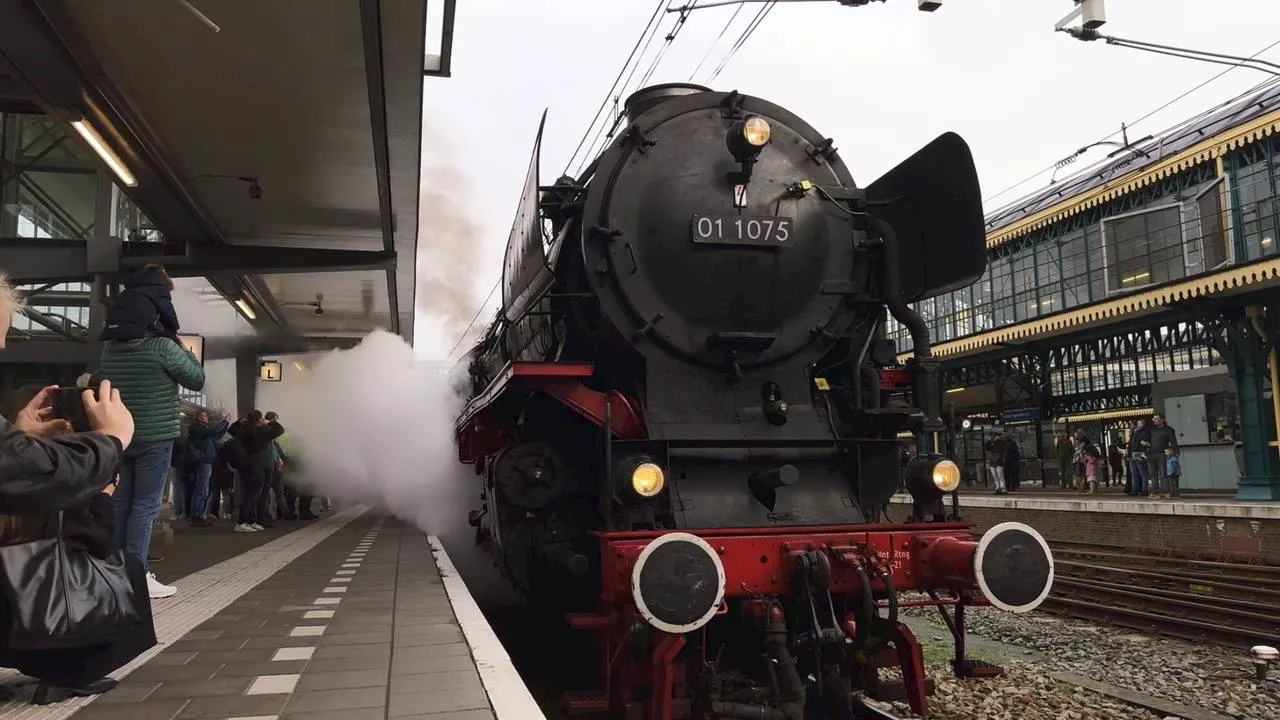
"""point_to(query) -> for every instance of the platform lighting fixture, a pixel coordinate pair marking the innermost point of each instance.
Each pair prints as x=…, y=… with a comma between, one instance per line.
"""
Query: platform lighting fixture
x=108, y=156
x=246, y=310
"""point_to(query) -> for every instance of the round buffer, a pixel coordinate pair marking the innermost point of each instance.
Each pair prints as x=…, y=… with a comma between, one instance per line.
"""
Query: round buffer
x=677, y=583
x=1014, y=567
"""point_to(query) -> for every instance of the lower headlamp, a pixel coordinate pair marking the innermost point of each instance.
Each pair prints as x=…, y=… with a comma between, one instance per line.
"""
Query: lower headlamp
x=647, y=479
x=930, y=476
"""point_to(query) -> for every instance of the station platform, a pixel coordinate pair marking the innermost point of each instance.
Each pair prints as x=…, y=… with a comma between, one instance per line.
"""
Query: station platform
x=354, y=616
x=1113, y=500
x=1192, y=523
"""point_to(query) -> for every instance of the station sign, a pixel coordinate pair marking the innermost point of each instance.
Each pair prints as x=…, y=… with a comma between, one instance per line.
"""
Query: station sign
x=270, y=371
x=1022, y=415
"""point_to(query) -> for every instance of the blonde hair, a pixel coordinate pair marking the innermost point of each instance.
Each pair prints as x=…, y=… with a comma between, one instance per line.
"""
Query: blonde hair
x=11, y=300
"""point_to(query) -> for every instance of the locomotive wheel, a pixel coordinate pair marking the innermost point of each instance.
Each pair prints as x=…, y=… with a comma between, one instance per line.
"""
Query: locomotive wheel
x=530, y=475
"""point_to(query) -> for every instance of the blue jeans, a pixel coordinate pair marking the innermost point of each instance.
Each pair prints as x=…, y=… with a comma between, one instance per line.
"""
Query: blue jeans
x=200, y=494
x=137, y=499
x=1138, y=476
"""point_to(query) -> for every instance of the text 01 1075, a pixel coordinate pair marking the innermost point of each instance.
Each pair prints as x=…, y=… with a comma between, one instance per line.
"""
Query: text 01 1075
x=764, y=230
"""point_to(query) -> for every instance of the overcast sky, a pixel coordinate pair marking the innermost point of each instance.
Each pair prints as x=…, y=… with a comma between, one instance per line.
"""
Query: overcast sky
x=882, y=80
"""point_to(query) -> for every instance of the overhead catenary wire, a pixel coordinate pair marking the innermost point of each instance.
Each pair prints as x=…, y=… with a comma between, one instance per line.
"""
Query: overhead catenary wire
x=1188, y=92
x=603, y=137
x=761, y=14
x=449, y=355
x=719, y=37
x=670, y=38
x=611, y=122
x=646, y=33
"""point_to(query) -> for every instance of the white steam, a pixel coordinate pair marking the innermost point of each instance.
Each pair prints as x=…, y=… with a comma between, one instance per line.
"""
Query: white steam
x=373, y=425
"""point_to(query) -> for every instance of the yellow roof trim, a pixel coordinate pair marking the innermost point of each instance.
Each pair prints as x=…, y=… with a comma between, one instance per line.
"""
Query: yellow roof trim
x=1107, y=415
x=1205, y=150
x=1216, y=283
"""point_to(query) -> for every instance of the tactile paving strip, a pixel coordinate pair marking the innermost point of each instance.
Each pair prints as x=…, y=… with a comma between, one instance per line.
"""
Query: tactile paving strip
x=201, y=595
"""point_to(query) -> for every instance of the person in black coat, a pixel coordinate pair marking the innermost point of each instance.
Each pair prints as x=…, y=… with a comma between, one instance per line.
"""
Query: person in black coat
x=88, y=525
x=82, y=671
x=144, y=308
x=1012, y=462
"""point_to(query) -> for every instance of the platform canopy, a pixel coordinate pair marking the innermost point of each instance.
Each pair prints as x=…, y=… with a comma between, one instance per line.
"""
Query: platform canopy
x=290, y=124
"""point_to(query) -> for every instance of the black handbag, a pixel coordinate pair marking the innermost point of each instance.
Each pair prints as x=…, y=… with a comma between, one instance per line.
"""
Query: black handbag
x=61, y=597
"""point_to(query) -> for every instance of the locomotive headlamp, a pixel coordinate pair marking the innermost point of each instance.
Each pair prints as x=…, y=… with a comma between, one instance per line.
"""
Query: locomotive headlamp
x=946, y=476
x=930, y=476
x=647, y=479
x=745, y=139
x=756, y=131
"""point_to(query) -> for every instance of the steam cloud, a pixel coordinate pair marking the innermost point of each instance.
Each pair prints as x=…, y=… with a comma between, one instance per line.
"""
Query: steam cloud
x=373, y=425
x=449, y=240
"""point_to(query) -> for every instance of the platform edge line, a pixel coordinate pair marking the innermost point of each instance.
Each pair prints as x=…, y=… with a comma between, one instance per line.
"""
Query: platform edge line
x=508, y=695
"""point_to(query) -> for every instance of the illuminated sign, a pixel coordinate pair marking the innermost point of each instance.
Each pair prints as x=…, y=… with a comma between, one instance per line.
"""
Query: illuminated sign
x=269, y=371
x=194, y=343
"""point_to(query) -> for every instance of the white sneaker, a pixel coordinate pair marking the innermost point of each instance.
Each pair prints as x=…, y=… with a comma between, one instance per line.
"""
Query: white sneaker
x=243, y=528
x=157, y=589
x=257, y=528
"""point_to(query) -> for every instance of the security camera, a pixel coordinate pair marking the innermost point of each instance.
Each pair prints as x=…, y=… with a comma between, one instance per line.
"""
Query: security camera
x=255, y=191
x=319, y=311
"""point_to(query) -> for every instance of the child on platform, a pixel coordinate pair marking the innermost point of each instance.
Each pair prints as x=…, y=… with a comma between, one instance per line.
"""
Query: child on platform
x=1173, y=469
x=144, y=308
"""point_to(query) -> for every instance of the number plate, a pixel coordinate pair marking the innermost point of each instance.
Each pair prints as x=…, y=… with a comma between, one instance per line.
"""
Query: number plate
x=759, y=230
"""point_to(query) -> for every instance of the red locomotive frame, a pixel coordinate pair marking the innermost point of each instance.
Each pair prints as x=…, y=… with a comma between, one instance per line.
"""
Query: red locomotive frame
x=756, y=565
x=933, y=556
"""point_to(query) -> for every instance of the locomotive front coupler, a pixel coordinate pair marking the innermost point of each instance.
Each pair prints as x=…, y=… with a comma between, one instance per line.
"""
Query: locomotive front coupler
x=813, y=577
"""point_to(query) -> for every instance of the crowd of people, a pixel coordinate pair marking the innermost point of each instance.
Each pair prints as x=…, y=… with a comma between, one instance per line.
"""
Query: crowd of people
x=1148, y=466
x=80, y=492
x=237, y=471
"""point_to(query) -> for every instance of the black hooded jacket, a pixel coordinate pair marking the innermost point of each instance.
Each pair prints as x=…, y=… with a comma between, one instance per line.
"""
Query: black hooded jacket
x=144, y=308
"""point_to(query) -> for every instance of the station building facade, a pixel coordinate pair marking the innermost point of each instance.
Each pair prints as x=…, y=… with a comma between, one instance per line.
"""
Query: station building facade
x=1143, y=285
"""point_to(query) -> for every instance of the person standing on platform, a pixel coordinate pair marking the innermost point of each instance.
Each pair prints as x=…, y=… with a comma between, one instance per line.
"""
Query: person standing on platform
x=1064, y=450
x=1012, y=462
x=275, y=480
x=147, y=371
x=256, y=435
x=1079, y=446
x=1092, y=463
x=1139, y=468
x=995, y=463
x=200, y=440
x=1163, y=437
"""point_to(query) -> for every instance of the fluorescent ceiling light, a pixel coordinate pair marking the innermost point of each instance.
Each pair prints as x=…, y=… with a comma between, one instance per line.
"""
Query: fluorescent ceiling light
x=248, y=311
x=99, y=146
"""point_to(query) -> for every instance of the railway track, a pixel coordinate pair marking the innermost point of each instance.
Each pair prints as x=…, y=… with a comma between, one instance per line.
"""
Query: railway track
x=1224, y=601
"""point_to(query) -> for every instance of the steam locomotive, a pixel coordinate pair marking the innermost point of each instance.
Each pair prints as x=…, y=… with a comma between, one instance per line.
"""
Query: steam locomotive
x=686, y=412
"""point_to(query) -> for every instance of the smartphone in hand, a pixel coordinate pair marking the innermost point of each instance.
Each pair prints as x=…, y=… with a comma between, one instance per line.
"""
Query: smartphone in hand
x=68, y=404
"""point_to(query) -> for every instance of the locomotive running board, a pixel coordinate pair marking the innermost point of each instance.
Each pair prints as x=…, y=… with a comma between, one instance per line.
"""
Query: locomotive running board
x=562, y=381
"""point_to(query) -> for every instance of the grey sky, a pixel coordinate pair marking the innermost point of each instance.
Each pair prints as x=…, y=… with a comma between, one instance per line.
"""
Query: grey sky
x=882, y=80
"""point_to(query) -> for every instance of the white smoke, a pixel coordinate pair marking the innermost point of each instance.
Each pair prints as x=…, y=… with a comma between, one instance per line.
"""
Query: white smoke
x=373, y=425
